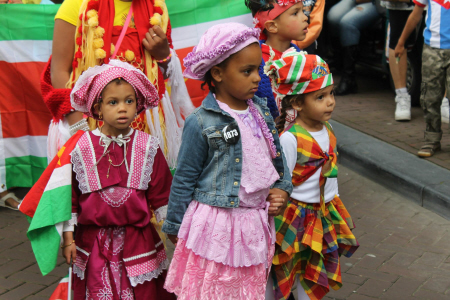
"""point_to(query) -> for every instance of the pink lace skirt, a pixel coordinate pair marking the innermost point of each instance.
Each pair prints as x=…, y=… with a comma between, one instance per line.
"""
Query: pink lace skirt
x=237, y=237
x=193, y=277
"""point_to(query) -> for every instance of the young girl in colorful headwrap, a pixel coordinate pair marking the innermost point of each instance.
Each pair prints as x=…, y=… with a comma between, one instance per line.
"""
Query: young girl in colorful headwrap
x=230, y=178
x=315, y=228
x=281, y=22
x=118, y=174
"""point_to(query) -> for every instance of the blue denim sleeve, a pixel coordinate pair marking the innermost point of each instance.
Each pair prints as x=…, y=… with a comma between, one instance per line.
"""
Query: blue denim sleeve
x=191, y=157
x=285, y=181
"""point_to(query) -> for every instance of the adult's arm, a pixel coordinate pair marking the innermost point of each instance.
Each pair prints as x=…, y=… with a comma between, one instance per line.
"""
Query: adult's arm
x=414, y=18
x=62, y=57
x=62, y=53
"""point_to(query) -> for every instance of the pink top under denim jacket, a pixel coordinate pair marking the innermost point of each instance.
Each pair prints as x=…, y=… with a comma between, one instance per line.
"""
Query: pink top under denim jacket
x=210, y=169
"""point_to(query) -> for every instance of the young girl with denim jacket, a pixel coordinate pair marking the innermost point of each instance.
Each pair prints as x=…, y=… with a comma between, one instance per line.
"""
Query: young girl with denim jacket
x=315, y=228
x=231, y=176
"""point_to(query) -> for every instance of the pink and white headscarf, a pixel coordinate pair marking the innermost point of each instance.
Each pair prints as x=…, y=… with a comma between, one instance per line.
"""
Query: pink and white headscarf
x=90, y=84
x=262, y=17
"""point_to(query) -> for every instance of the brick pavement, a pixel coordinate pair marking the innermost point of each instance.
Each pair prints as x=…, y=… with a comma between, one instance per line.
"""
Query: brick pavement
x=371, y=111
x=404, y=252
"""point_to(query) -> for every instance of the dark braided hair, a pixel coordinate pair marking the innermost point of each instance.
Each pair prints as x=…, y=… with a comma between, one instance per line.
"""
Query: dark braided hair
x=286, y=104
x=209, y=81
x=259, y=5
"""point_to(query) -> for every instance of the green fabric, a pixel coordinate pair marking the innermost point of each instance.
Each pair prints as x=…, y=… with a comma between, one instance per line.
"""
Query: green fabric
x=45, y=239
x=24, y=171
x=30, y=22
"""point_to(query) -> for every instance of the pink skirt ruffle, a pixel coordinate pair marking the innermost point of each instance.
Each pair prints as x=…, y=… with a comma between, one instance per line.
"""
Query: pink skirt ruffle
x=237, y=237
x=191, y=276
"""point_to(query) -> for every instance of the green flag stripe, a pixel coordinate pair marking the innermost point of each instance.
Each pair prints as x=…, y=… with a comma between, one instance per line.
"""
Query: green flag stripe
x=43, y=233
x=49, y=212
x=24, y=171
x=27, y=22
x=36, y=22
x=191, y=12
x=45, y=244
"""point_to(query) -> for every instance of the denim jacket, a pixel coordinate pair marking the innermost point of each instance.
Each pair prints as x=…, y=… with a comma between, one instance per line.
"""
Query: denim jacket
x=209, y=169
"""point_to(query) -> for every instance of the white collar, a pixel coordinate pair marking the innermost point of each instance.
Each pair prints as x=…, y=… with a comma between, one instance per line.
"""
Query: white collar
x=97, y=132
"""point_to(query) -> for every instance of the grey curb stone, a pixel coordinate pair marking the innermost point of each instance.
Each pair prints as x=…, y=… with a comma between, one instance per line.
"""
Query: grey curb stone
x=417, y=179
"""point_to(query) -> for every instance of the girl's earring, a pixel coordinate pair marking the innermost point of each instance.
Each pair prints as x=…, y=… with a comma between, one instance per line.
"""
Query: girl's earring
x=100, y=116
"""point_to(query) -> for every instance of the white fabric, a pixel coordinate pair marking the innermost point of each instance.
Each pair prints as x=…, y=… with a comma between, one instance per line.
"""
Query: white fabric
x=70, y=224
x=58, y=134
x=179, y=96
x=161, y=213
x=176, y=108
x=435, y=24
x=309, y=191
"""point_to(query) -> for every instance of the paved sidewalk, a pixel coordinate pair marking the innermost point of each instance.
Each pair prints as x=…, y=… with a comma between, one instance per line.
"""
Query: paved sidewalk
x=371, y=111
x=404, y=252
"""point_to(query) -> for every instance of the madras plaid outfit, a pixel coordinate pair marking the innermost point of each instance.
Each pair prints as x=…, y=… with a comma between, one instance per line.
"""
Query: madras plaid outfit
x=311, y=237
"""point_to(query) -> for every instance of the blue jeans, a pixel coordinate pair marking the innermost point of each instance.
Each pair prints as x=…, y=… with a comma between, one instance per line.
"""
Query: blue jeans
x=347, y=18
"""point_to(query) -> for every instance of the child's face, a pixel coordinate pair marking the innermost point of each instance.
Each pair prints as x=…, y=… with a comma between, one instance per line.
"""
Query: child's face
x=118, y=108
x=292, y=24
x=239, y=78
x=317, y=106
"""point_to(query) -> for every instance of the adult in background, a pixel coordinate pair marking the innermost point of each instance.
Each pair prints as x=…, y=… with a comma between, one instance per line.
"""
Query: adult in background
x=346, y=20
x=87, y=33
x=399, y=12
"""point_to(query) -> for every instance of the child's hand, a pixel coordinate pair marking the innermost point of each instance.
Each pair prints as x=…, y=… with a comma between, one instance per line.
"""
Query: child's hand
x=70, y=251
x=173, y=238
x=278, y=200
x=156, y=43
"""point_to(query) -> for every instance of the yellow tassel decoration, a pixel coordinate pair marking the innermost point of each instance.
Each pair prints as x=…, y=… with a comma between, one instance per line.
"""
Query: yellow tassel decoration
x=129, y=55
x=98, y=43
x=100, y=53
x=92, y=13
x=112, y=48
x=93, y=22
x=165, y=15
x=156, y=19
x=99, y=32
x=159, y=3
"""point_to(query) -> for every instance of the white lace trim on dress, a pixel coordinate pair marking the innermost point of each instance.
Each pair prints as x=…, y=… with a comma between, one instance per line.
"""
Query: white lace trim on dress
x=78, y=271
x=150, y=275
